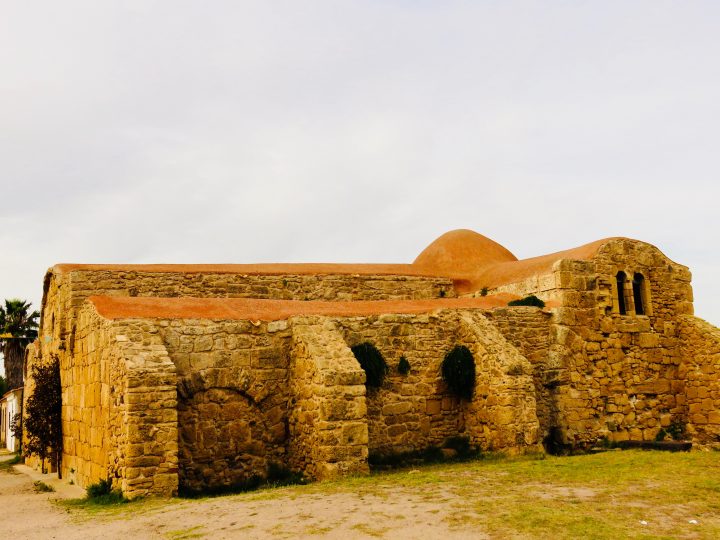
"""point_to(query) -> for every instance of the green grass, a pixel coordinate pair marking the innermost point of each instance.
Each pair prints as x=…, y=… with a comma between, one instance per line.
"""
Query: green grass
x=7, y=465
x=594, y=496
x=183, y=534
x=42, y=487
x=87, y=509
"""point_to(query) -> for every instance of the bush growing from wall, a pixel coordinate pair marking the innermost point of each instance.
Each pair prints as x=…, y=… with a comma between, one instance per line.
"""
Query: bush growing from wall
x=458, y=371
x=531, y=300
x=403, y=366
x=372, y=362
x=103, y=493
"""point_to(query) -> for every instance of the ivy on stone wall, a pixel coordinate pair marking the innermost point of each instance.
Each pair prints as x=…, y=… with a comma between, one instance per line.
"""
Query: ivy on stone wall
x=372, y=362
x=458, y=371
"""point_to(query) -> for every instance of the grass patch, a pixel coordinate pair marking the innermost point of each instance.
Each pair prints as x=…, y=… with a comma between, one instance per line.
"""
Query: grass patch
x=184, y=534
x=318, y=530
x=7, y=465
x=86, y=509
x=42, y=487
x=101, y=499
x=102, y=493
x=368, y=530
x=579, y=496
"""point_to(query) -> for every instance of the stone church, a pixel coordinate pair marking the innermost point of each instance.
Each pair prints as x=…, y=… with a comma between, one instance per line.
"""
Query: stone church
x=198, y=377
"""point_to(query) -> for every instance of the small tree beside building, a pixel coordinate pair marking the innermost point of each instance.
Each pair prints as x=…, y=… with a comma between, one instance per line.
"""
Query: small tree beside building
x=42, y=418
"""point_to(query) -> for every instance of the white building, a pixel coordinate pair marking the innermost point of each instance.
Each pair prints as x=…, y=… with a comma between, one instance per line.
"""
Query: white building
x=10, y=405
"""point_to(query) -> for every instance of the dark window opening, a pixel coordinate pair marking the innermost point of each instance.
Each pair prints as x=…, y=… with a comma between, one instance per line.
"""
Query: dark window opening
x=621, y=292
x=638, y=285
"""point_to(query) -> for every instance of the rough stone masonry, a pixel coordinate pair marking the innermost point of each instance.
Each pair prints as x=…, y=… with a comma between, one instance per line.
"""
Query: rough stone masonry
x=200, y=377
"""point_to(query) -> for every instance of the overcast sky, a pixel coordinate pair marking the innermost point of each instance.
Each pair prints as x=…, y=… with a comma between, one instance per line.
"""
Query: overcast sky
x=340, y=131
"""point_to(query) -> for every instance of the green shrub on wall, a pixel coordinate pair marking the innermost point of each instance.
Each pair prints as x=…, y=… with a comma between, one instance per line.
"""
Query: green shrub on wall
x=372, y=363
x=403, y=366
x=458, y=371
x=531, y=300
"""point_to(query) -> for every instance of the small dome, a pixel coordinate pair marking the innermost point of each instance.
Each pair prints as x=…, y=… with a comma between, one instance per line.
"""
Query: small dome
x=461, y=252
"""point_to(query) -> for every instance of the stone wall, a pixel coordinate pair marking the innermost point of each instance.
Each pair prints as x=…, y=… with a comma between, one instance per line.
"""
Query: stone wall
x=119, y=412
x=66, y=291
x=617, y=375
x=233, y=390
x=416, y=410
x=166, y=404
x=528, y=330
x=157, y=405
x=151, y=416
x=544, y=285
x=603, y=373
x=200, y=366
x=412, y=411
x=502, y=414
x=700, y=344
x=239, y=405
x=291, y=392
x=92, y=420
x=328, y=419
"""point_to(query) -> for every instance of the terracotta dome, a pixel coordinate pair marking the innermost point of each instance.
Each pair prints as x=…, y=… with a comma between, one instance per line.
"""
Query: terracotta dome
x=462, y=252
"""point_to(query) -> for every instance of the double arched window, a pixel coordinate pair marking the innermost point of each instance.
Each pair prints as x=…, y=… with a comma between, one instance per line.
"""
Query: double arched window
x=635, y=302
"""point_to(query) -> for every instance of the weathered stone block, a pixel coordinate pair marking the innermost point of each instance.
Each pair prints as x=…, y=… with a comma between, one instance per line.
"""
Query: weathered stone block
x=648, y=340
x=354, y=433
x=397, y=408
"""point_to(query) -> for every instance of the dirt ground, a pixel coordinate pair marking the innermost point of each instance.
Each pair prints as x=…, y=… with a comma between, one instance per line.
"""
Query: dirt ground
x=254, y=515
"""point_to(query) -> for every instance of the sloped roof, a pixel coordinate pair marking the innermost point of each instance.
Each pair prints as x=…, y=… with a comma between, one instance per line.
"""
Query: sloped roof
x=114, y=307
x=258, y=269
x=514, y=271
x=471, y=260
x=474, y=261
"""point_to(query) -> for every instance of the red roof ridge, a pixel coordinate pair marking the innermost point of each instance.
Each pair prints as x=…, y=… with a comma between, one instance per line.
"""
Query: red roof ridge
x=124, y=307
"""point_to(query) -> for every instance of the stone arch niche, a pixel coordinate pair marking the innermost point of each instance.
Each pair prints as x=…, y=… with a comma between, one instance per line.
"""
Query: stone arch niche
x=225, y=438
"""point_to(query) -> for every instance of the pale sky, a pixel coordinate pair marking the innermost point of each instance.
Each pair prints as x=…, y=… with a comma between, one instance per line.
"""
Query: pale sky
x=354, y=131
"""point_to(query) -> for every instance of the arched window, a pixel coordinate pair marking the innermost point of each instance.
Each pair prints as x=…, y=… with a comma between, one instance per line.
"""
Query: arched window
x=621, y=279
x=638, y=285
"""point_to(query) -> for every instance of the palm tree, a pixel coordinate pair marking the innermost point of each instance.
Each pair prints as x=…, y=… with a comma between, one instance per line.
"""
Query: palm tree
x=18, y=327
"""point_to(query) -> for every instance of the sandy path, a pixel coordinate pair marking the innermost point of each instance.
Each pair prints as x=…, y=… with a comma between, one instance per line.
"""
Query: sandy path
x=277, y=514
